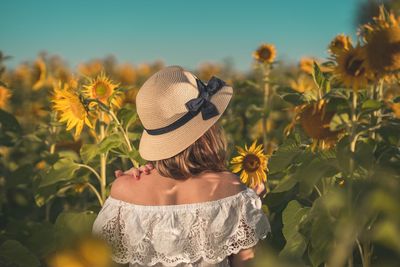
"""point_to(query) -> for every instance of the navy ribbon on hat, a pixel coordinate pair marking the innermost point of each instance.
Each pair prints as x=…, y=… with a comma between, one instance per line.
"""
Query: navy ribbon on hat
x=201, y=104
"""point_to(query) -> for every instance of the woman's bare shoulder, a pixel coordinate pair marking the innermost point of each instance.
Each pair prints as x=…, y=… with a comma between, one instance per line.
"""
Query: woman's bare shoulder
x=122, y=186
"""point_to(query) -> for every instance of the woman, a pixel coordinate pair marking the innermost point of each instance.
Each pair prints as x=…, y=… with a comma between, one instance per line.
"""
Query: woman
x=189, y=210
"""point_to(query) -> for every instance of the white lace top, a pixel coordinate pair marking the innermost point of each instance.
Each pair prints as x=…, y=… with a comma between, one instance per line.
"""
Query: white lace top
x=196, y=234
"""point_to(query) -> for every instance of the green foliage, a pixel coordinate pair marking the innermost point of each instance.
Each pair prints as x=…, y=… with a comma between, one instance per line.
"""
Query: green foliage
x=295, y=242
x=14, y=253
x=64, y=169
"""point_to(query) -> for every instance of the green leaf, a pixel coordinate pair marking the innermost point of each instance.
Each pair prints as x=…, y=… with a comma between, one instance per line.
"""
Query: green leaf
x=339, y=121
x=9, y=122
x=284, y=156
x=127, y=116
x=89, y=152
x=309, y=175
x=10, y=130
x=290, y=95
x=42, y=240
x=70, y=223
x=371, y=105
x=295, y=99
x=134, y=154
x=320, y=78
x=364, y=155
x=287, y=183
x=16, y=254
x=387, y=233
x=112, y=141
x=64, y=169
x=321, y=236
x=295, y=242
x=343, y=154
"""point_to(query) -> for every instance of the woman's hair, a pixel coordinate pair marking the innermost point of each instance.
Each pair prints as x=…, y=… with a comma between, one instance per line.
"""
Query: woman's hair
x=208, y=153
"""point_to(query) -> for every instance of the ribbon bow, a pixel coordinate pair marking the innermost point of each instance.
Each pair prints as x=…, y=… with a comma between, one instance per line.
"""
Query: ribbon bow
x=202, y=102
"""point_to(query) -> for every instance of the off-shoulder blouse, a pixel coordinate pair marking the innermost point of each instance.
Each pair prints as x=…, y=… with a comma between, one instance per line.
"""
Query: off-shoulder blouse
x=195, y=234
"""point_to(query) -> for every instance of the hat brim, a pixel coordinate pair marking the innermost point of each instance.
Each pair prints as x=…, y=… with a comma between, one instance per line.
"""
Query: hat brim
x=163, y=146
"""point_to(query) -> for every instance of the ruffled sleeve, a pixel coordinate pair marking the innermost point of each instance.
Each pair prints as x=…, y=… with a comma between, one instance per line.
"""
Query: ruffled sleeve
x=184, y=233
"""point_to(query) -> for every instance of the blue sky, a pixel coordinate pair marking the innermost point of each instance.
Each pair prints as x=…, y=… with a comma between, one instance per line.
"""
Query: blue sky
x=180, y=32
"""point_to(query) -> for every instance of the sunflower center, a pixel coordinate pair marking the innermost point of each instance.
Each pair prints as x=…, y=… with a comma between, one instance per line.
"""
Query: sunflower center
x=265, y=53
x=251, y=163
x=101, y=90
x=339, y=44
x=354, y=66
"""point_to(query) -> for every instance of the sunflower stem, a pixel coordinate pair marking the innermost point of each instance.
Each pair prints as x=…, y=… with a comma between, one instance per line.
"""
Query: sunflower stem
x=53, y=130
x=92, y=170
x=99, y=198
x=377, y=95
x=266, y=71
x=103, y=160
x=125, y=135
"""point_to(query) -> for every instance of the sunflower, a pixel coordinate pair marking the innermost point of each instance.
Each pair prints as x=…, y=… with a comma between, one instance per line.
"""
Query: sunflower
x=306, y=65
x=72, y=111
x=4, y=96
x=84, y=252
x=253, y=164
x=92, y=68
x=302, y=83
x=382, y=38
x=38, y=75
x=315, y=120
x=95, y=251
x=383, y=50
x=266, y=53
x=127, y=74
x=65, y=257
x=103, y=89
x=340, y=44
x=207, y=70
x=351, y=68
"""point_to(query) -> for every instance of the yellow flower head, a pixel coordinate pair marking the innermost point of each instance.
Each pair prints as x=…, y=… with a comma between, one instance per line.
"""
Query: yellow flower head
x=4, y=96
x=382, y=38
x=39, y=73
x=95, y=251
x=88, y=251
x=102, y=89
x=253, y=164
x=302, y=83
x=91, y=68
x=266, y=53
x=306, y=65
x=207, y=70
x=127, y=74
x=66, y=257
x=315, y=120
x=66, y=101
x=340, y=44
x=351, y=68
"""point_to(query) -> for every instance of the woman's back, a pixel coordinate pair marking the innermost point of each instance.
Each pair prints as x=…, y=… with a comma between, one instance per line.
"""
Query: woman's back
x=163, y=221
x=155, y=189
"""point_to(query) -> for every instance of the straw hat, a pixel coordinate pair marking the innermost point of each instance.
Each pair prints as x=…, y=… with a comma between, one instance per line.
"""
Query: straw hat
x=176, y=109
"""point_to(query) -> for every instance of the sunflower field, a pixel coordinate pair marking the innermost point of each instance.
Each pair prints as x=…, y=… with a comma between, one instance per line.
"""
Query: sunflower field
x=322, y=136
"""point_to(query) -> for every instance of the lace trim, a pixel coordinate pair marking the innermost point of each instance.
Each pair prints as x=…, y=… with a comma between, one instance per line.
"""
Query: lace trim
x=199, y=242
